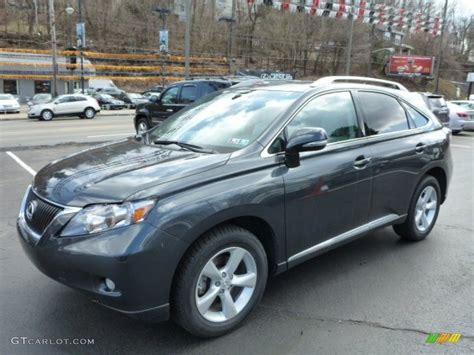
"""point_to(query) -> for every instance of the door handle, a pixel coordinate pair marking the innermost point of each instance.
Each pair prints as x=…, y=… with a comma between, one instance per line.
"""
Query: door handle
x=420, y=148
x=169, y=110
x=362, y=162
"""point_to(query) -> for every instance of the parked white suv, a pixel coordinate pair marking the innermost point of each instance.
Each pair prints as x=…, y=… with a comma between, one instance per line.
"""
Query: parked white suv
x=65, y=105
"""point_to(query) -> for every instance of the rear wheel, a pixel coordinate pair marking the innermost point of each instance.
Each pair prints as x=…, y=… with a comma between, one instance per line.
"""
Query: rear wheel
x=89, y=113
x=220, y=281
x=142, y=126
x=47, y=115
x=423, y=213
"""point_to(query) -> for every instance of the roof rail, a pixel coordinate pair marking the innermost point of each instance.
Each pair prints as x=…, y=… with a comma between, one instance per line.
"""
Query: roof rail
x=361, y=80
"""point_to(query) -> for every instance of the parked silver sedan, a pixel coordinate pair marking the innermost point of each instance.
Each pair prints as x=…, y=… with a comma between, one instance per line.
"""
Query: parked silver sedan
x=468, y=107
x=457, y=117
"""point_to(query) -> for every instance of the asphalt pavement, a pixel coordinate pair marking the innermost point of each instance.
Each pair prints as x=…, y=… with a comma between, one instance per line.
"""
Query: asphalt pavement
x=377, y=295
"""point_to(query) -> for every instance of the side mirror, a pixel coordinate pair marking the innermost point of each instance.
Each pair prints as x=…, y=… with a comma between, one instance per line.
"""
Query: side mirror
x=304, y=140
x=154, y=99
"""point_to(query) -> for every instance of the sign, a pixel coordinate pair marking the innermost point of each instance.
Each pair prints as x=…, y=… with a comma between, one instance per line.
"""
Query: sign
x=164, y=41
x=411, y=66
x=268, y=74
x=470, y=78
x=81, y=34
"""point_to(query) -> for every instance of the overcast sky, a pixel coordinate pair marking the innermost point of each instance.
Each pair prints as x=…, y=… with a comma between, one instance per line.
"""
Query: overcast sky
x=465, y=7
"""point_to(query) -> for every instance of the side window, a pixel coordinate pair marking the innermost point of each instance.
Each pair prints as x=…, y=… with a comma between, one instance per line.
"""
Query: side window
x=417, y=119
x=383, y=113
x=65, y=99
x=208, y=88
x=333, y=112
x=170, y=96
x=188, y=94
x=80, y=98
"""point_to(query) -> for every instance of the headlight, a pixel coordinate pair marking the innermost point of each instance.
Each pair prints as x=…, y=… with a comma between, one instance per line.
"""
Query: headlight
x=99, y=218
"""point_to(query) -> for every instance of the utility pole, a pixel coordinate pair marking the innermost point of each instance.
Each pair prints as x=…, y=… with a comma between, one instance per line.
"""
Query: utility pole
x=187, y=39
x=52, y=25
x=231, y=36
x=349, y=49
x=81, y=46
x=440, y=53
x=163, y=45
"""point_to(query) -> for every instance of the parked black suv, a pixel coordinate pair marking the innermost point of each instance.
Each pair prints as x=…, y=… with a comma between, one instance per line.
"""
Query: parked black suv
x=189, y=219
x=174, y=98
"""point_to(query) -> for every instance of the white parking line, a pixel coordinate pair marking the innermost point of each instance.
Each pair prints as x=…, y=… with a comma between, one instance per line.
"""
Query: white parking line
x=111, y=135
x=461, y=146
x=21, y=163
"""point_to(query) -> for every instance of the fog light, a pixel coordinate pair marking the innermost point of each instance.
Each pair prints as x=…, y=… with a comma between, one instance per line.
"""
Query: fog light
x=110, y=284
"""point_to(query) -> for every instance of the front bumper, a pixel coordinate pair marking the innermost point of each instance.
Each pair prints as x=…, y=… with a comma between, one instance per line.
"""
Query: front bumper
x=139, y=259
x=9, y=109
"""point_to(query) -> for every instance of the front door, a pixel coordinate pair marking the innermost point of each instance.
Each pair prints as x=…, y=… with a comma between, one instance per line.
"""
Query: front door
x=329, y=193
x=166, y=105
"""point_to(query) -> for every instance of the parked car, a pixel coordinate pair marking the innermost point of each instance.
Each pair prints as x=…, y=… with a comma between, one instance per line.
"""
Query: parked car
x=65, y=105
x=457, y=117
x=40, y=99
x=8, y=104
x=191, y=217
x=174, y=98
x=137, y=99
x=87, y=91
x=437, y=105
x=468, y=106
x=109, y=102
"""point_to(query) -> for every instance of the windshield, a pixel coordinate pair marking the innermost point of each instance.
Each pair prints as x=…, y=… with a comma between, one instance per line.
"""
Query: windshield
x=225, y=122
x=6, y=97
x=41, y=97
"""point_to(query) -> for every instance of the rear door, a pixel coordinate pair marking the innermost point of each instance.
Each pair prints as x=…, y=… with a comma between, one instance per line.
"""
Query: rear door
x=64, y=105
x=398, y=150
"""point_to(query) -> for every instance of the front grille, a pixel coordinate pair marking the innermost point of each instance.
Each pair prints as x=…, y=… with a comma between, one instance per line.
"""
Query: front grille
x=43, y=213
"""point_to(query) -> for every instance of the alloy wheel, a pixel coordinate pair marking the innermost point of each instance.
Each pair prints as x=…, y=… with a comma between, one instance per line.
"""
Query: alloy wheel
x=226, y=284
x=90, y=113
x=142, y=128
x=426, y=208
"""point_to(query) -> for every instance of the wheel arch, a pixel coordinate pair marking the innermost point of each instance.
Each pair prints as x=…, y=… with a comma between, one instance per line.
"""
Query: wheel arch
x=440, y=175
x=257, y=225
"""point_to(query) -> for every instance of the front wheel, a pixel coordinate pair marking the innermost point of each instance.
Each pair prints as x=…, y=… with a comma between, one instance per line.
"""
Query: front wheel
x=89, y=113
x=220, y=281
x=142, y=126
x=46, y=115
x=423, y=212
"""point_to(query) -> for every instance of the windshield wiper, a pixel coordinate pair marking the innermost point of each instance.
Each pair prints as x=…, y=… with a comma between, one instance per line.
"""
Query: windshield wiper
x=187, y=146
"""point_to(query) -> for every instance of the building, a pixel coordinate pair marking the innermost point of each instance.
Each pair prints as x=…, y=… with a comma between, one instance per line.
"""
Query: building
x=27, y=74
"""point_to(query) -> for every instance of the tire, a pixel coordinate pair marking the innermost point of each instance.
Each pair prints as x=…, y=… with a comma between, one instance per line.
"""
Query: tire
x=192, y=286
x=89, y=113
x=455, y=133
x=46, y=115
x=142, y=125
x=421, y=218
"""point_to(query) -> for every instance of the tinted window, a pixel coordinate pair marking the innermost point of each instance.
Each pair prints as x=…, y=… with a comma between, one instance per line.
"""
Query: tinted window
x=64, y=99
x=80, y=98
x=208, y=88
x=225, y=121
x=188, y=94
x=170, y=96
x=333, y=112
x=383, y=113
x=416, y=118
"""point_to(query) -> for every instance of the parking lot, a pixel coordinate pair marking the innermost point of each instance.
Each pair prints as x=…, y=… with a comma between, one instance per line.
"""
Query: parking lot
x=377, y=294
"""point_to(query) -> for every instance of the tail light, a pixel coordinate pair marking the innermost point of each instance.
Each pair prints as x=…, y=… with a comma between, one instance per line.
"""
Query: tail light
x=462, y=114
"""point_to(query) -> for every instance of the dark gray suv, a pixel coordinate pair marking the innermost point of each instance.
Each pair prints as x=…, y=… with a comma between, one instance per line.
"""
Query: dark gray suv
x=190, y=219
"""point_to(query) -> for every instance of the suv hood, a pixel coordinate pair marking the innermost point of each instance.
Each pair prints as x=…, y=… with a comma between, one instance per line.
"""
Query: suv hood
x=112, y=172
